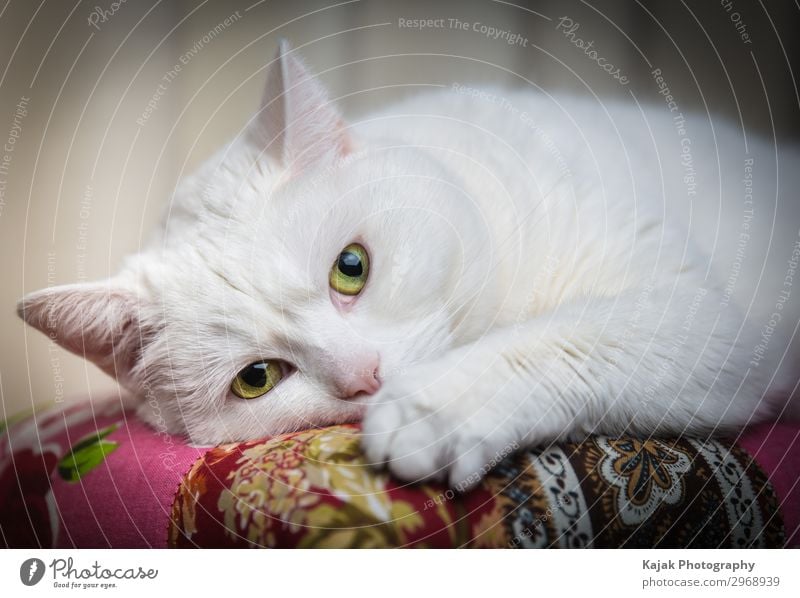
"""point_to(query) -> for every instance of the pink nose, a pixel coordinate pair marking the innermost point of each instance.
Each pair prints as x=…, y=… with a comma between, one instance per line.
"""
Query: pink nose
x=362, y=378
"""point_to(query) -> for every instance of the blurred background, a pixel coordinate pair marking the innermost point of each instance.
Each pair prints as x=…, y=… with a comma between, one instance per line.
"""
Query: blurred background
x=105, y=105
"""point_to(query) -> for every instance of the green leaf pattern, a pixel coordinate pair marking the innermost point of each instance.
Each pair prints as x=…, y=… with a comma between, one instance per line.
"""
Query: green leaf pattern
x=88, y=453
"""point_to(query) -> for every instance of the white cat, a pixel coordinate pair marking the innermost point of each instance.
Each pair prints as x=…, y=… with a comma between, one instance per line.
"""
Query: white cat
x=468, y=271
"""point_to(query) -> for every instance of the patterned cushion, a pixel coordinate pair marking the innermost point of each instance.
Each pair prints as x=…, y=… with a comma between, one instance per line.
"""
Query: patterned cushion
x=97, y=477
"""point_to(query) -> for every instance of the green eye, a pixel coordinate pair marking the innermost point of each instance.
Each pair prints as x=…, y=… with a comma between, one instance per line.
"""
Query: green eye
x=257, y=379
x=349, y=274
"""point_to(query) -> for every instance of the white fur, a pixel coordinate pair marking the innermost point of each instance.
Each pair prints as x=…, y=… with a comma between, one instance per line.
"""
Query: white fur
x=532, y=279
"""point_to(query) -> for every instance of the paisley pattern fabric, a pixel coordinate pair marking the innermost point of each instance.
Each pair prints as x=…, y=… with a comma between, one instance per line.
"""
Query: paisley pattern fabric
x=645, y=475
x=307, y=489
x=314, y=489
x=94, y=476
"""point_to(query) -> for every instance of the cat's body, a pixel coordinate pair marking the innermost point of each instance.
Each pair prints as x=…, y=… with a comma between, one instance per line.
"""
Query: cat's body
x=531, y=278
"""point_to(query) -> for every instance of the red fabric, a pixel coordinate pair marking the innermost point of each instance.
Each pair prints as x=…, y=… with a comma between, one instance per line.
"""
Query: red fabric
x=124, y=501
x=776, y=449
x=313, y=489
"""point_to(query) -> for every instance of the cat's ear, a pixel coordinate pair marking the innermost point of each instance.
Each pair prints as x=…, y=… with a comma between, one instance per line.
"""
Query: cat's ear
x=297, y=125
x=99, y=321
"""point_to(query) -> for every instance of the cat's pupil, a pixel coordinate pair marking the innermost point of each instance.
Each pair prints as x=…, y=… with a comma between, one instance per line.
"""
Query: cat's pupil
x=255, y=375
x=350, y=264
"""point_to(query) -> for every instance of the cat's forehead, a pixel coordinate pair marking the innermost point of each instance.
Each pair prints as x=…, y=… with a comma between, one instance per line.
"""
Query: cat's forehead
x=228, y=304
x=238, y=224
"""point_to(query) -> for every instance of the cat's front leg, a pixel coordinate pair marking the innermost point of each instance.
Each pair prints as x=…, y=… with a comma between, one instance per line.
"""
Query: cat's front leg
x=454, y=418
x=420, y=423
x=651, y=362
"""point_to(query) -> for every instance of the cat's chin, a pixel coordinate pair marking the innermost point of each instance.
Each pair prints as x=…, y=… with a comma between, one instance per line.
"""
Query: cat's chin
x=357, y=408
x=335, y=412
x=344, y=411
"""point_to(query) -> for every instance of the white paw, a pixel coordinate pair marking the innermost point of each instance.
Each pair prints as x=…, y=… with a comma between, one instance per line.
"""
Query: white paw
x=422, y=429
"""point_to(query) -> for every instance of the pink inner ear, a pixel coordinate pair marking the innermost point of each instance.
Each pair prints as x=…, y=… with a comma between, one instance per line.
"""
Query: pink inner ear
x=96, y=321
x=330, y=148
x=346, y=145
x=298, y=125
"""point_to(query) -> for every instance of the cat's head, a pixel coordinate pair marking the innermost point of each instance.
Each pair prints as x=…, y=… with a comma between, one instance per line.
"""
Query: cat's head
x=297, y=270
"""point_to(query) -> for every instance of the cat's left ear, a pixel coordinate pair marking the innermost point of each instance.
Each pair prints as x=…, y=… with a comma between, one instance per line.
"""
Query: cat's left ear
x=297, y=125
x=100, y=321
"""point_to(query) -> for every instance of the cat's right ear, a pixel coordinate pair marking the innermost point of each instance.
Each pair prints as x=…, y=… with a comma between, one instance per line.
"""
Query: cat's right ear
x=297, y=125
x=98, y=321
